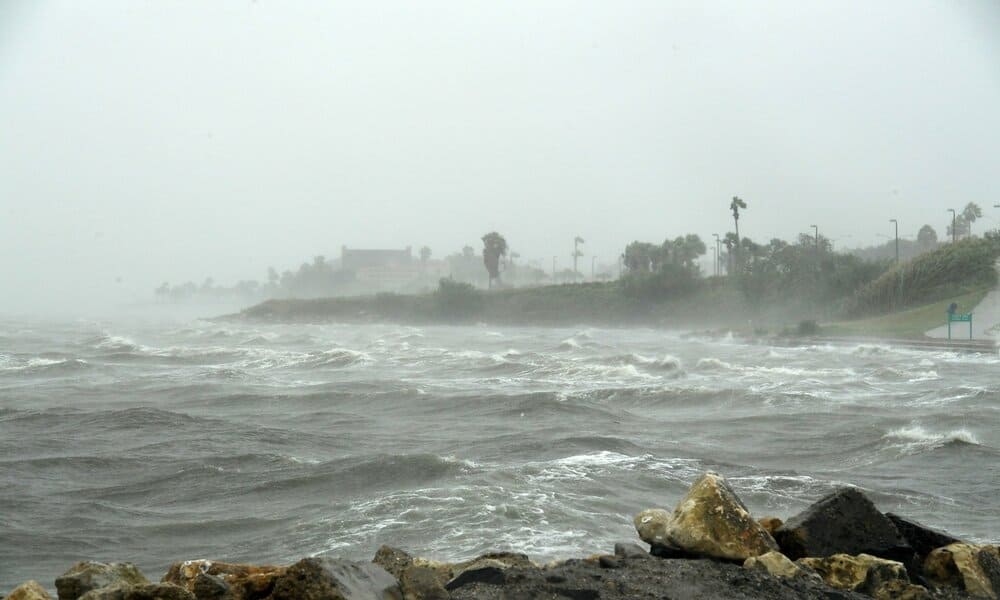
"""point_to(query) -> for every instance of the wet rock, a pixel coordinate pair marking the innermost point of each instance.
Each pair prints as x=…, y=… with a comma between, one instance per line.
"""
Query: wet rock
x=770, y=524
x=630, y=550
x=489, y=575
x=969, y=567
x=29, y=590
x=144, y=591
x=335, y=579
x=863, y=573
x=243, y=582
x=779, y=565
x=921, y=538
x=709, y=521
x=393, y=560
x=900, y=590
x=86, y=576
x=422, y=583
x=210, y=587
x=648, y=579
x=652, y=525
x=844, y=522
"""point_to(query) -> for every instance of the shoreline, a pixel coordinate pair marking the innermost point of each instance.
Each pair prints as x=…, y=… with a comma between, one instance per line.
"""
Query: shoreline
x=840, y=547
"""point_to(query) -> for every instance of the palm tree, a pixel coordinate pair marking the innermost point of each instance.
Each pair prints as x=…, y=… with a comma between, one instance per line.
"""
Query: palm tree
x=970, y=213
x=494, y=246
x=576, y=254
x=735, y=206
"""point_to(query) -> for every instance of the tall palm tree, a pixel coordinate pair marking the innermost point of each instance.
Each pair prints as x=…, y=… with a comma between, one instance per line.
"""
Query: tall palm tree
x=970, y=213
x=735, y=206
x=494, y=246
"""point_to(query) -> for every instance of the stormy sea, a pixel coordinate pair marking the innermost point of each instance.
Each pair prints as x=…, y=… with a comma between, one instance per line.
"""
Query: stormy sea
x=161, y=440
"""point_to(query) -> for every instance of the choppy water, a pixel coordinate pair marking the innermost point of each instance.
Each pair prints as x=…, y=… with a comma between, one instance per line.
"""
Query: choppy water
x=167, y=441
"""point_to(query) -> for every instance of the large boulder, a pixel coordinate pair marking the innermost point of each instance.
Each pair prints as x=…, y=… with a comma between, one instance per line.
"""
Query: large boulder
x=921, y=538
x=418, y=579
x=489, y=569
x=85, y=576
x=969, y=567
x=779, y=565
x=844, y=522
x=142, y=591
x=862, y=573
x=208, y=579
x=29, y=590
x=335, y=579
x=709, y=521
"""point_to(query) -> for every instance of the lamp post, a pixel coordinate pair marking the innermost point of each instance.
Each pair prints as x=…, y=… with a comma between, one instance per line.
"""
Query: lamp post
x=718, y=254
x=553, y=269
x=593, y=260
x=715, y=259
x=817, y=237
x=896, y=223
x=953, y=232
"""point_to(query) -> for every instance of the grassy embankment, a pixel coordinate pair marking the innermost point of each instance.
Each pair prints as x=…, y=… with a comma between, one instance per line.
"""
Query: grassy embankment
x=912, y=298
x=905, y=301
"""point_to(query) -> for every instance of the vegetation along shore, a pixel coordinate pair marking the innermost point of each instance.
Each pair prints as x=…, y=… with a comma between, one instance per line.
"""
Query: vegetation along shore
x=784, y=289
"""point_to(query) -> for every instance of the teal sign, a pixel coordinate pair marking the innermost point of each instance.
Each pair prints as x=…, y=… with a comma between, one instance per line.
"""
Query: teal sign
x=963, y=318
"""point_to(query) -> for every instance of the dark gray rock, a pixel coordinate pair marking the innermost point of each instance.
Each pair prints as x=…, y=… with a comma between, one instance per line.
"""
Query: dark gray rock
x=921, y=538
x=844, y=522
x=89, y=575
x=630, y=550
x=657, y=579
x=335, y=579
x=483, y=575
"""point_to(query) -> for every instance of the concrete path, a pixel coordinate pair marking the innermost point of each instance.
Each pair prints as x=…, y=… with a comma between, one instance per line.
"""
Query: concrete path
x=985, y=320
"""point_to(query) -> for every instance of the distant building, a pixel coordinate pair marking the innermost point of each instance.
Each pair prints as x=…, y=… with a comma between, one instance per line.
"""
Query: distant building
x=390, y=270
x=353, y=259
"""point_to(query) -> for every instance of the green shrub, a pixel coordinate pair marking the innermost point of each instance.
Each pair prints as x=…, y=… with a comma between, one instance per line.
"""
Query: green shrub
x=454, y=299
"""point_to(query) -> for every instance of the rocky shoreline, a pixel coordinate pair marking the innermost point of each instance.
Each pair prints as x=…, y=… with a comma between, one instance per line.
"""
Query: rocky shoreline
x=709, y=546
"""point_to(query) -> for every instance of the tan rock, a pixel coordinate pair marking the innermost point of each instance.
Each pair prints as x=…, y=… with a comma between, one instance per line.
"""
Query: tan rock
x=900, y=590
x=244, y=582
x=770, y=524
x=712, y=521
x=970, y=567
x=29, y=590
x=779, y=565
x=652, y=524
x=862, y=573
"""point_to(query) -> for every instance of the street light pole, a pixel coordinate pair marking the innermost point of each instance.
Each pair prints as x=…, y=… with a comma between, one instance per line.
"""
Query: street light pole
x=896, y=223
x=593, y=259
x=718, y=255
x=553, y=269
x=817, y=237
x=953, y=232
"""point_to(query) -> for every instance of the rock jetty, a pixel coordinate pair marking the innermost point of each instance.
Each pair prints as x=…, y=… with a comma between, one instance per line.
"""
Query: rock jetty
x=709, y=546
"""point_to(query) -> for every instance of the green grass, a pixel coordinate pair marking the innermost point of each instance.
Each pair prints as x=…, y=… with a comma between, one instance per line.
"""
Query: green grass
x=910, y=323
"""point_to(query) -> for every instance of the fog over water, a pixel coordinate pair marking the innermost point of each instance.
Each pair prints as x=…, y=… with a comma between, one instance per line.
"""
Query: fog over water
x=150, y=142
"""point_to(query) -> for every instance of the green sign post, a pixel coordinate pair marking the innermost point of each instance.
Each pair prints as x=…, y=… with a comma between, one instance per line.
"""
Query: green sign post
x=953, y=318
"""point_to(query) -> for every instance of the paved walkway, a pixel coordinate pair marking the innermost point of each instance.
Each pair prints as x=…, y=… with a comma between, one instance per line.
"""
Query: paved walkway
x=985, y=320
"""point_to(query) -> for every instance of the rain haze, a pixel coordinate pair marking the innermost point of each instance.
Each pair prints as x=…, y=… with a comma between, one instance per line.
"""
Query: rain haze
x=145, y=142
x=337, y=286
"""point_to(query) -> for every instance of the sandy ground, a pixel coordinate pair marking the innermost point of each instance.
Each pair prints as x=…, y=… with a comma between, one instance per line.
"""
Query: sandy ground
x=985, y=320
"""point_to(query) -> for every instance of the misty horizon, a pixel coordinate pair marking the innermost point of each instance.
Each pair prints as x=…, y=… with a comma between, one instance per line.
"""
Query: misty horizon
x=154, y=142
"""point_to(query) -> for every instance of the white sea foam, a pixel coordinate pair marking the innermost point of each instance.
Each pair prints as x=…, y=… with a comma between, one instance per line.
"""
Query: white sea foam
x=919, y=435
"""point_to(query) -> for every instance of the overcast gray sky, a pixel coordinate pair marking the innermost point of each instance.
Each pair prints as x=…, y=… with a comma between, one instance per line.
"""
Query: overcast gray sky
x=174, y=140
